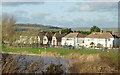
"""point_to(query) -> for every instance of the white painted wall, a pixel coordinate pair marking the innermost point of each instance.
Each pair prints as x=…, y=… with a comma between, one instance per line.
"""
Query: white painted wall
x=45, y=40
x=73, y=41
x=79, y=41
x=68, y=41
x=38, y=39
x=23, y=38
x=103, y=41
x=54, y=43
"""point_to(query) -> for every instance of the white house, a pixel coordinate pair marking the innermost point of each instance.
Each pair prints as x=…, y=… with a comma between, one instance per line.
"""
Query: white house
x=31, y=37
x=74, y=39
x=99, y=39
x=23, y=39
x=47, y=38
x=56, y=39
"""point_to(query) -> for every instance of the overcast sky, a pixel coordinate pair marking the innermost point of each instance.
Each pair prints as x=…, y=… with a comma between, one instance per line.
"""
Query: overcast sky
x=64, y=14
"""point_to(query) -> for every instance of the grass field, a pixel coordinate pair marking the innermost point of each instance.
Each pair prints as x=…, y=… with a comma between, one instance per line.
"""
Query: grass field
x=63, y=52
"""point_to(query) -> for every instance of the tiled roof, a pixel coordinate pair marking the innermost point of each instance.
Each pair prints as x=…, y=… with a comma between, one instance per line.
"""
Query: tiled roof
x=58, y=36
x=100, y=35
x=73, y=35
x=49, y=35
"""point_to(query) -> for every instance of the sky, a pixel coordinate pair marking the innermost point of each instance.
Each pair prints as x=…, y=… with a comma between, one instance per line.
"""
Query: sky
x=64, y=14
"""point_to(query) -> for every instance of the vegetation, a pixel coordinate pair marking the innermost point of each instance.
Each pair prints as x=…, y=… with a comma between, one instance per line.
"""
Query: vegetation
x=63, y=52
x=54, y=69
x=8, y=29
x=106, y=57
x=84, y=32
x=109, y=31
x=13, y=64
x=67, y=30
x=95, y=29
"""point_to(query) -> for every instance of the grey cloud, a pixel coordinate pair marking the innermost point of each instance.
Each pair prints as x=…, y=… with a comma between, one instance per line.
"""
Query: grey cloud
x=94, y=6
x=55, y=0
x=39, y=17
x=20, y=16
x=20, y=3
x=80, y=22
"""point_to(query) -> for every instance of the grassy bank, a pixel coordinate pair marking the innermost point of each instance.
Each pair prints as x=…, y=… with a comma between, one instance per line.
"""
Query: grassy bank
x=63, y=52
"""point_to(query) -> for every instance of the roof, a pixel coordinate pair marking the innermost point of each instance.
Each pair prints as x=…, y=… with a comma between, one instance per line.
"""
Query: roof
x=41, y=34
x=73, y=35
x=100, y=35
x=81, y=35
x=49, y=35
x=59, y=36
x=32, y=33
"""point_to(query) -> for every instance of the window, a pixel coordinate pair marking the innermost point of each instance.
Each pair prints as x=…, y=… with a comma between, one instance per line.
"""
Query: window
x=83, y=41
x=108, y=39
x=44, y=39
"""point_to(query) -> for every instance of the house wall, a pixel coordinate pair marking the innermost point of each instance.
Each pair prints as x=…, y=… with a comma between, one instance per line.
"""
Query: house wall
x=54, y=43
x=63, y=41
x=45, y=40
x=79, y=41
x=38, y=39
x=34, y=39
x=23, y=39
x=105, y=42
x=68, y=41
x=29, y=40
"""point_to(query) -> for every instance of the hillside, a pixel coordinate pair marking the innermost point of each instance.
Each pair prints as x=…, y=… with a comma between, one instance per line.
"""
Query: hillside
x=88, y=29
x=24, y=27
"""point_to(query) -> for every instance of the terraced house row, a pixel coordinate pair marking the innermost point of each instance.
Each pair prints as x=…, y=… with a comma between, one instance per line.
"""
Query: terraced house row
x=95, y=39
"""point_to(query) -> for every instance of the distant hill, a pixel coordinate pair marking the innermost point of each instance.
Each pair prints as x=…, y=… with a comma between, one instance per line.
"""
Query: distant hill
x=88, y=29
x=25, y=27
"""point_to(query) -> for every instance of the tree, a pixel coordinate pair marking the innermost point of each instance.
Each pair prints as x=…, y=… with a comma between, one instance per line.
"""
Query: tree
x=84, y=32
x=67, y=30
x=109, y=31
x=8, y=28
x=95, y=29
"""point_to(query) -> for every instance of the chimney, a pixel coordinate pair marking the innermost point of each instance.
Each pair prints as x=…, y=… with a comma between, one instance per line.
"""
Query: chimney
x=101, y=30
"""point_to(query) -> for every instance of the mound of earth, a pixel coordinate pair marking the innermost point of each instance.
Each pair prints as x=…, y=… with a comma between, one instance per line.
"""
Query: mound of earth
x=50, y=54
x=93, y=63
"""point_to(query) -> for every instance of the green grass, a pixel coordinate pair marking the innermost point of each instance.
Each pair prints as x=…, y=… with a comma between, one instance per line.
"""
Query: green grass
x=63, y=52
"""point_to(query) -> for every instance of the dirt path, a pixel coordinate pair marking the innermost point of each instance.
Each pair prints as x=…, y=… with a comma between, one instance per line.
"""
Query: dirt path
x=42, y=54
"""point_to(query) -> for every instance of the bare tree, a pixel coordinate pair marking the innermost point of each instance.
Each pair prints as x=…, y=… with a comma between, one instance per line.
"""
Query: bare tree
x=8, y=28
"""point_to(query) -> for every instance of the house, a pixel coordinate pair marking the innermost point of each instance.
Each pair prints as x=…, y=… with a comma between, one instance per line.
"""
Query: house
x=74, y=39
x=47, y=38
x=41, y=35
x=30, y=37
x=23, y=39
x=56, y=39
x=99, y=39
x=117, y=39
